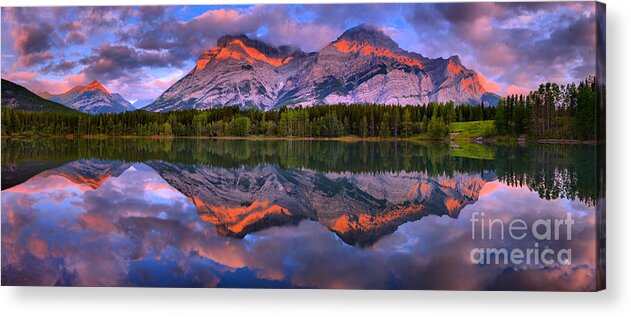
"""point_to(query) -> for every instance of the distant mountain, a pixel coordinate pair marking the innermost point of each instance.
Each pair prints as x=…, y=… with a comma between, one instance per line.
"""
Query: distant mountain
x=93, y=99
x=491, y=98
x=141, y=103
x=18, y=97
x=363, y=65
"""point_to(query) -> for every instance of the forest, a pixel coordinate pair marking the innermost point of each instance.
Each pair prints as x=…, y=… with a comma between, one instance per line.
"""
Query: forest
x=553, y=111
x=322, y=121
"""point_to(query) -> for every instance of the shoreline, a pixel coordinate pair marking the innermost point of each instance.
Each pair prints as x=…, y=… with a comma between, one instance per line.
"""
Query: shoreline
x=473, y=140
x=569, y=141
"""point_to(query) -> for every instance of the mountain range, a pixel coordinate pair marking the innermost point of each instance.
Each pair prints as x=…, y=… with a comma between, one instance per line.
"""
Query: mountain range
x=363, y=65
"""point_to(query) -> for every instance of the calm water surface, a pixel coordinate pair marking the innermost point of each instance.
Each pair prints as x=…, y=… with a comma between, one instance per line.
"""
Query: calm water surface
x=289, y=214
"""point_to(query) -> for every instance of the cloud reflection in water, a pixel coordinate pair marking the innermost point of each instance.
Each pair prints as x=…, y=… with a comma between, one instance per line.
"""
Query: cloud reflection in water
x=136, y=230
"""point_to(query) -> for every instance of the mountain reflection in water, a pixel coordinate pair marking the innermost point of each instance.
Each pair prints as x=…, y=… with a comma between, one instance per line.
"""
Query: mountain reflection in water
x=282, y=213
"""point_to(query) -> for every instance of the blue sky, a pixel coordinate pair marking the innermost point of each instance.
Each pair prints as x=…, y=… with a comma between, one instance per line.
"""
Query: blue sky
x=140, y=51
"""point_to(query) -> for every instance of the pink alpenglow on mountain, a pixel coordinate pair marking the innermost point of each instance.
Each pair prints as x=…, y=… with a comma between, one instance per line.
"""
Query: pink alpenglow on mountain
x=363, y=65
x=93, y=99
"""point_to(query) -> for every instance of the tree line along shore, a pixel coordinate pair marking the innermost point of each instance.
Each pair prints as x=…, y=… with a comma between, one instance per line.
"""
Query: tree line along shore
x=552, y=112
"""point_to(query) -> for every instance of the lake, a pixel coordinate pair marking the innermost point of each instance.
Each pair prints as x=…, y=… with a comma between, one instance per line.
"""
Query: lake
x=300, y=214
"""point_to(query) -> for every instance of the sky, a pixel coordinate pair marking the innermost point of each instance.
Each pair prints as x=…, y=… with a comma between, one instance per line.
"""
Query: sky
x=141, y=51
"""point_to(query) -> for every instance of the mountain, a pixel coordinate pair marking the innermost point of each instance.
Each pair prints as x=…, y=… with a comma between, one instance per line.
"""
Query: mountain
x=45, y=94
x=92, y=173
x=141, y=103
x=93, y=99
x=363, y=65
x=359, y=208
x=17, y=97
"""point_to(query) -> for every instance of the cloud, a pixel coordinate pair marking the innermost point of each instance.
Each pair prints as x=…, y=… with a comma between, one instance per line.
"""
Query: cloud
x=186, y=40
x=21, y=76
x=32, y=43
x=74, y=37
x=70, y=26
x=104, y=19
x=33, y=38
x=33, y=81
x=509, y=43
x=517, y=90
x=124, y=234
x=37, y=247
x=63, y=67
x=111, y=62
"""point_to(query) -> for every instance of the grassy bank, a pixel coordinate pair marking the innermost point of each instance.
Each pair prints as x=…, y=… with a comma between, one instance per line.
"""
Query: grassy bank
x=467, y=131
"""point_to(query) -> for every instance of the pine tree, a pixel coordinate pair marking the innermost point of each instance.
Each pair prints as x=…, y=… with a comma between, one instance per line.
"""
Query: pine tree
x=384, y=127
x=166, y=129
x=396, y=121
x=364, y=127
x=407, y=123
x=424, y=124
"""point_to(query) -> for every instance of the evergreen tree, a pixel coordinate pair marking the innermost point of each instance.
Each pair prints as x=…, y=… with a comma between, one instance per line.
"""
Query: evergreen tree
x=384, y=127
x=166, y=129
x=364, y=127
x=407, y=123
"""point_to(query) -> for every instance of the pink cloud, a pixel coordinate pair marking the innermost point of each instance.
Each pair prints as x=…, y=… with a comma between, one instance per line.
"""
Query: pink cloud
x=38, y=247
x=78, y=79
x=47, y=184
x=164, y=84
x=20, y=76
x=489, y=85
x=517, y=90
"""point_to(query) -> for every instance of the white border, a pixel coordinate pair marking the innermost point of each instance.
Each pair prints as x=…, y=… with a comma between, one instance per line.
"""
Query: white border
x=228, y=302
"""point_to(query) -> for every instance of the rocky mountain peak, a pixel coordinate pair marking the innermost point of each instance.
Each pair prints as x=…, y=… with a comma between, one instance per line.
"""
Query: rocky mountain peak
x=241, y=47
x=454, y=59
x=281, y=51
x=93, y=98
x=95, y=85
x=366, y=34
x=225, y=40
x=367, y=40
x=454, y=66
x=363, y=65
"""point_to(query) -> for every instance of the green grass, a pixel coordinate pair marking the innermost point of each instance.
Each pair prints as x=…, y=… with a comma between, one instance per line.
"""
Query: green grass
x=467, y=131
x=473, y=129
